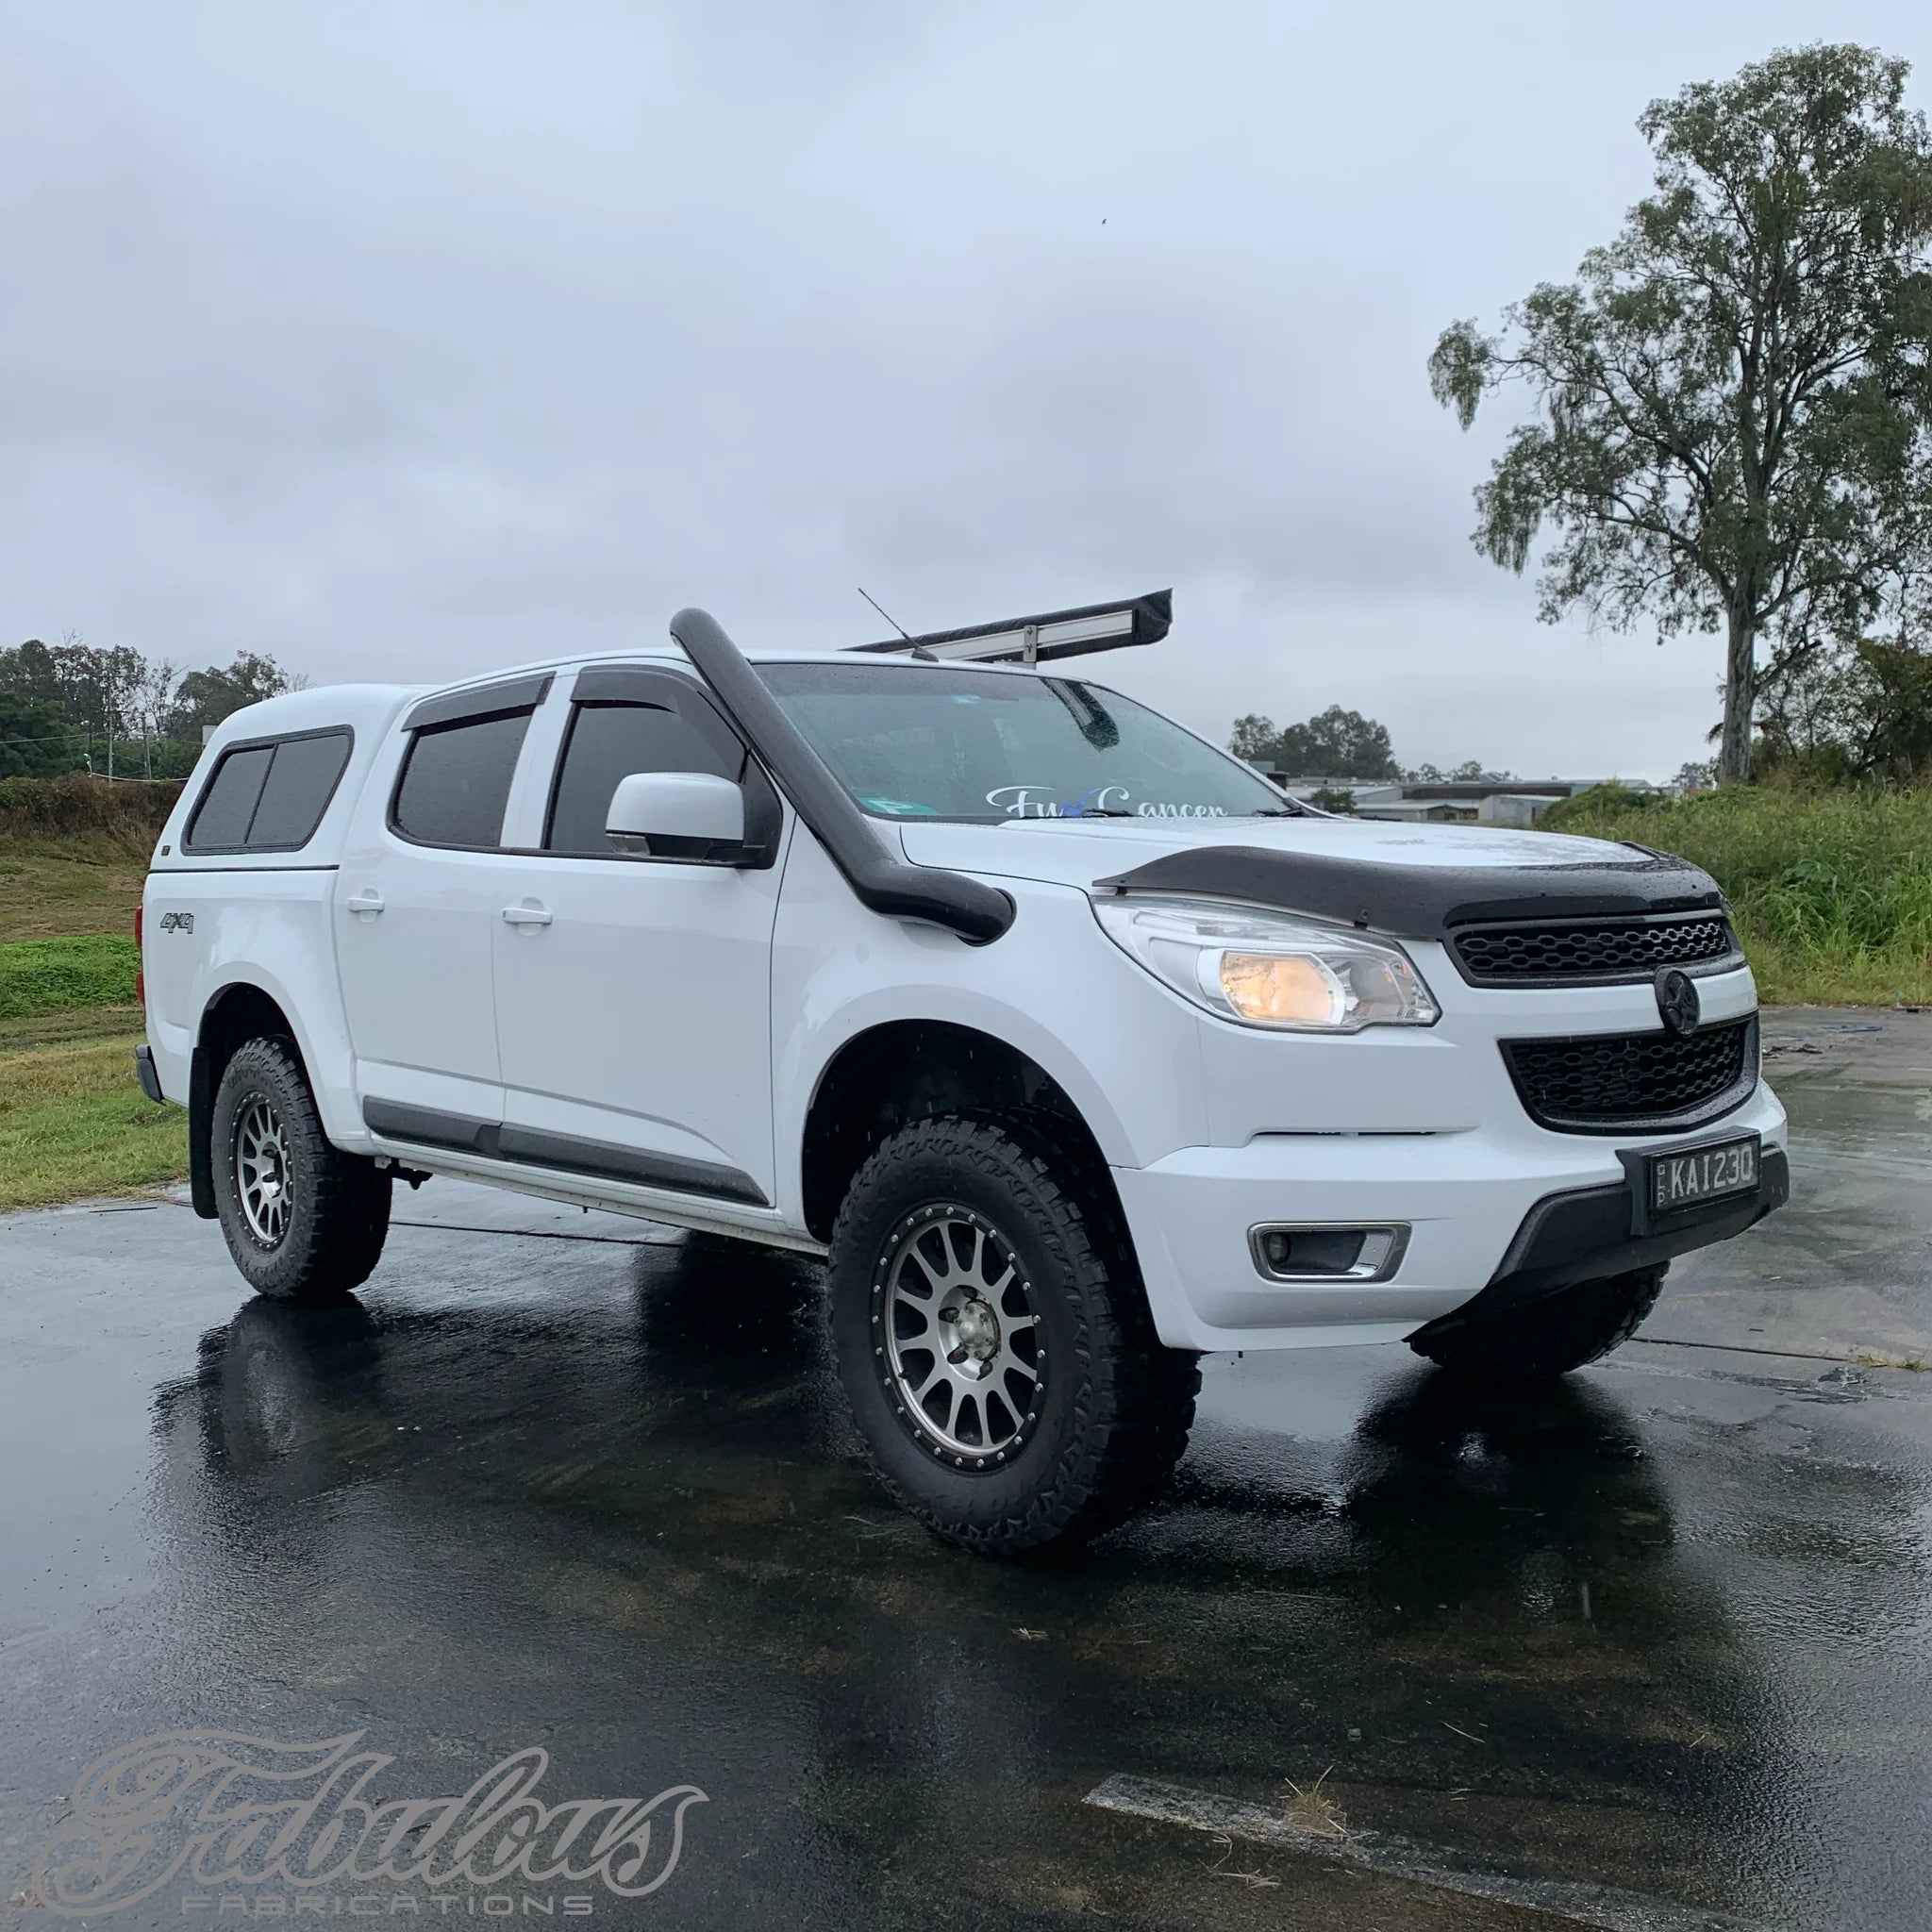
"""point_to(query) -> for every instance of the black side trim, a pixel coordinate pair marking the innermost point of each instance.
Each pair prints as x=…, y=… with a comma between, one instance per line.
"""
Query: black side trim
x=1587, y=1234
x=431, y=1127
x=481, y=701
x=201, y=1130
x=1422, y=902
x=144, y=1073
x=573, y=1155
x=428, y=1126
x=888, y=885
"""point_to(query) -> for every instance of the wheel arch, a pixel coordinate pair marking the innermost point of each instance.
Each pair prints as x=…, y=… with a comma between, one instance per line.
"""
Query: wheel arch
x=235, y=1013
x=901, y=1071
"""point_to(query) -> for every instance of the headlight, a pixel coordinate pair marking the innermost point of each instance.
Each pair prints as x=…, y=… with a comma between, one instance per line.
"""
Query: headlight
x=1267, y=970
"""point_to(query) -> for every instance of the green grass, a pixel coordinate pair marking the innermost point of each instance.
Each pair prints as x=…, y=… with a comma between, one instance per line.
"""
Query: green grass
x=51, y=887
x=48, y=975
x=1832, y=890
x=72, y=1123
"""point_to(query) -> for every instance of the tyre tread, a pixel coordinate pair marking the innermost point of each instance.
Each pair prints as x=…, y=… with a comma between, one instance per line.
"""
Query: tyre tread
x=1137, y=1397
x=334, y=1246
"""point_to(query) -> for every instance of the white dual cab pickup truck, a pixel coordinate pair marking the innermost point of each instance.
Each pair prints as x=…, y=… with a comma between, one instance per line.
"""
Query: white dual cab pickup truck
x=1071, y=1045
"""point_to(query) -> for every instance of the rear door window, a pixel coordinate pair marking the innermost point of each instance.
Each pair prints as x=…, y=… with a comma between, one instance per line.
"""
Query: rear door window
x=269, y=797
x=456, y=781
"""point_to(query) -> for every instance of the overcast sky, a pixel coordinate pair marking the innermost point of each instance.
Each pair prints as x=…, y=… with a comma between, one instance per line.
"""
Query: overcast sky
x=410, y=337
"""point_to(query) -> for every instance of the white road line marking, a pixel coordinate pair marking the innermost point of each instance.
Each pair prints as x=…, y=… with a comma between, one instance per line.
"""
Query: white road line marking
x=1599, y=1905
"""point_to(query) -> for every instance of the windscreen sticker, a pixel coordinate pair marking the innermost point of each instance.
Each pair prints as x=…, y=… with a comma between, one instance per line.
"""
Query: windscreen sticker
x=1038, y=802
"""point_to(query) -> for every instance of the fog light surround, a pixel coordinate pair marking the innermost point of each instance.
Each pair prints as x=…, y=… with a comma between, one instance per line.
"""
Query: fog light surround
x=1328, y=1251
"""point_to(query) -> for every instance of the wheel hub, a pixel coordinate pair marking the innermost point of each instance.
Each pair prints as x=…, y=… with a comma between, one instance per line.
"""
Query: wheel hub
x=959, y=1346
x=977, y=1331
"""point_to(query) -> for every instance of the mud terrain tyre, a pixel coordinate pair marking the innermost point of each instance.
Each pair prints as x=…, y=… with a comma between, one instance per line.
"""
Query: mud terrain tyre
x=993, y=1340
x=302, y=1220
x=1546, y=1337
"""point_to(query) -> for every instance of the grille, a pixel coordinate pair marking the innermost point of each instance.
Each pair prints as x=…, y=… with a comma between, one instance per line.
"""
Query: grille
x=1589, y=949
x=1606, y=1083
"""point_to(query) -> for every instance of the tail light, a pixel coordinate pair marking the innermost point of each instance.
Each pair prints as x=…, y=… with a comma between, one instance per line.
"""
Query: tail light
x=141, y=958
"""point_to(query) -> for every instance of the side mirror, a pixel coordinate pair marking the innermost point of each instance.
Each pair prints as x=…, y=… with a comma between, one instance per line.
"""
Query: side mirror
x=688, y=815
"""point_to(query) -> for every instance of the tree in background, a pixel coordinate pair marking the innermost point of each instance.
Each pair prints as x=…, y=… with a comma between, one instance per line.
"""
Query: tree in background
x=92, y=688
x=146, y=712
x=205, y=697
x=148, y=701
x=1470, y=772
x=36, y=740
x=1734, y=404
x=1334, y=743
x=29, y=670
x=1848, y=713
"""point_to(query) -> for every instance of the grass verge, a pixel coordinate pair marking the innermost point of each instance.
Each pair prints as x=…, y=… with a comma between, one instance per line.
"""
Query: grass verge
x=51, y=887
x=49, y=976
x=1832, y=890
x=72, y=1119
x=72, y=1123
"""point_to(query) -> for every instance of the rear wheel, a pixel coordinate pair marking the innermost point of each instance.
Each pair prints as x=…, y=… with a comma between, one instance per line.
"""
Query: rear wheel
x=993, y=1338
x=303, y=1220
x=1550, y=1337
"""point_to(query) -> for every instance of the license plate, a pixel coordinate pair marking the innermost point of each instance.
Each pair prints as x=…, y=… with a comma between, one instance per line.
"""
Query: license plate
x=1675, y=1181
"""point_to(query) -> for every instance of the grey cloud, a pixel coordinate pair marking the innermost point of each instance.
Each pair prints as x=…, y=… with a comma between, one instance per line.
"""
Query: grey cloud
x=406, y=340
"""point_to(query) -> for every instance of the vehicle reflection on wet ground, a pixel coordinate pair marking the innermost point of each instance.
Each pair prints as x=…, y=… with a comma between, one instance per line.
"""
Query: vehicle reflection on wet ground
x=1662, y=1628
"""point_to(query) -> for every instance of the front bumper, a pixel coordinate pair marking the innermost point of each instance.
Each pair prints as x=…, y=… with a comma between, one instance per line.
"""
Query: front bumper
x=1572, y=1238
x=1468, y=1199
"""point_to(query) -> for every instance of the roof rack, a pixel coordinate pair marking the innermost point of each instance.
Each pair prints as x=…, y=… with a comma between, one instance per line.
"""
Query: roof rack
x=1051, y=634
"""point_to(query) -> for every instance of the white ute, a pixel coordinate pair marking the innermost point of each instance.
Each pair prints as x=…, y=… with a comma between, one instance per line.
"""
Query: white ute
x=1072, y=1046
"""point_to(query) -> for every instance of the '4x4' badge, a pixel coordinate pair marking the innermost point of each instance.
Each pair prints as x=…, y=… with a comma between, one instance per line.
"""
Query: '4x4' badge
x=178, y=922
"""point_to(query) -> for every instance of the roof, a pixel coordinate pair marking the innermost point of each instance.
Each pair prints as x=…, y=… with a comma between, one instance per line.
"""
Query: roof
x=362, y=707
x=375, y=703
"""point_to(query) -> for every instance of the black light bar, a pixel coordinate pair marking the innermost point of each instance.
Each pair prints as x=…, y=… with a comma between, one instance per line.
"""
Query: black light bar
x=1051, y=634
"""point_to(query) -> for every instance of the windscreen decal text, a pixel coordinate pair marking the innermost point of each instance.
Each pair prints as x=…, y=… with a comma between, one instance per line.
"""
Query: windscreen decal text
x=1038, y=802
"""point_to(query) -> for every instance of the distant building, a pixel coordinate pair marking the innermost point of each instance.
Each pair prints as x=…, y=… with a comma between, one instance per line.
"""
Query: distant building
x=1481, y=801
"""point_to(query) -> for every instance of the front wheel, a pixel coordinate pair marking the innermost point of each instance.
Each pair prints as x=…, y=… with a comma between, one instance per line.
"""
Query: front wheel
x=993, y=1338
x=303, y=1220
x=1544, y=1338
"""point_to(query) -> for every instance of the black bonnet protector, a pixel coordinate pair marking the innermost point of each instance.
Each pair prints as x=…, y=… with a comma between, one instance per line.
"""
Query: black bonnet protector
x=1425, y=902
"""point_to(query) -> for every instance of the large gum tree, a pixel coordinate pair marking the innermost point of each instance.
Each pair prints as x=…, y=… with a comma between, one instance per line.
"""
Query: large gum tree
x=1732, y=424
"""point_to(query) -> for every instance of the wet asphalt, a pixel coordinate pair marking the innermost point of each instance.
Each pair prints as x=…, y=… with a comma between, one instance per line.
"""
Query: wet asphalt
x=1648, y=1649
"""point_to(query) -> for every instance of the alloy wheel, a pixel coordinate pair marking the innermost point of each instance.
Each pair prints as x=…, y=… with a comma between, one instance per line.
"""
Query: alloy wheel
x=262, y=1170
x=963, y=1351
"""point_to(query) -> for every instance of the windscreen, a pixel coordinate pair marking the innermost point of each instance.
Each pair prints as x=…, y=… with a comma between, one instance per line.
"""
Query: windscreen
x=934, y=741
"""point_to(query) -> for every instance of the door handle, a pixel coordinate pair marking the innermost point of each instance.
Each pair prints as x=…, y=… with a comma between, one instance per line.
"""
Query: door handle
x=526, y=915
x=367, y=902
